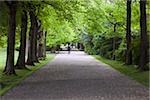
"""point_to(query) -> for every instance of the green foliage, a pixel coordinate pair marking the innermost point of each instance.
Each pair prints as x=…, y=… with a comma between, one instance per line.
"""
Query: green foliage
x=106, y=20
x=100, y=20
x=59, y=20
x=3, y=24
x=121, y=51
x=95, y=23
x=86, y=21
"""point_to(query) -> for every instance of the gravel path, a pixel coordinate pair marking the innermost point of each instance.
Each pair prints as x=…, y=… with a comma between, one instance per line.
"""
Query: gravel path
x=77, y=76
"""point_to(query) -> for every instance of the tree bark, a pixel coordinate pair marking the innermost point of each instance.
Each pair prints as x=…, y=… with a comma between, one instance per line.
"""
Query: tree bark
x=35, y=40
x=44, y=47
x=114, y=48
x=9, y=68
x=30, y=59
x=40, y=53
x=128, y=60
x=114, y=44
x=144, y=37
x=22, y=51
x=40, y=45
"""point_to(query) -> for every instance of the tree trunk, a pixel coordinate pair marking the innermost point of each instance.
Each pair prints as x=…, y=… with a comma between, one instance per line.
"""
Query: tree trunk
x=144, y=37
x=114, y=44
x=33, y=44
x=9, y=68
x=35, y=53
x=35, y=41
x=30, y=59
x=114, y=48
x=44, y=47
x=22, y=51
x=40, y=54
x=128, y=60
x=40, y=49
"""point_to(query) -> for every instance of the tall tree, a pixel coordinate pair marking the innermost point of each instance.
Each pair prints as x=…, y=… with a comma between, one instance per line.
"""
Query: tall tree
x=128, y=60
x=37, y=28
x=35, y=33
x=44, y=47
x=30, y=59
x=22, y=50
x=114, y=43
x=40, y=44
x=144, y=36
x=9, y=68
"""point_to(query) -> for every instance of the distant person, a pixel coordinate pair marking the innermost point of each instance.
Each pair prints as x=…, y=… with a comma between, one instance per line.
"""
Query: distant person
x=58, y=48
x=69, y=49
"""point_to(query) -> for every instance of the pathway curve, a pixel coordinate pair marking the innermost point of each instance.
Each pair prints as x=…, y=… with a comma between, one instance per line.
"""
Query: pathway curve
x=77, y=76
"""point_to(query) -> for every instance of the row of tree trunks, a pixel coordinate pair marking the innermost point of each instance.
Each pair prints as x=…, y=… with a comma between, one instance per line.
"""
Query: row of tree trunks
x=144, y=44
x=32, y=43
x=9, y=68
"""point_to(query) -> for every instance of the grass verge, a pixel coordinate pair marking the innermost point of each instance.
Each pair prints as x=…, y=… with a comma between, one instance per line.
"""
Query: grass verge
x=8, y=82
x=129, y=70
